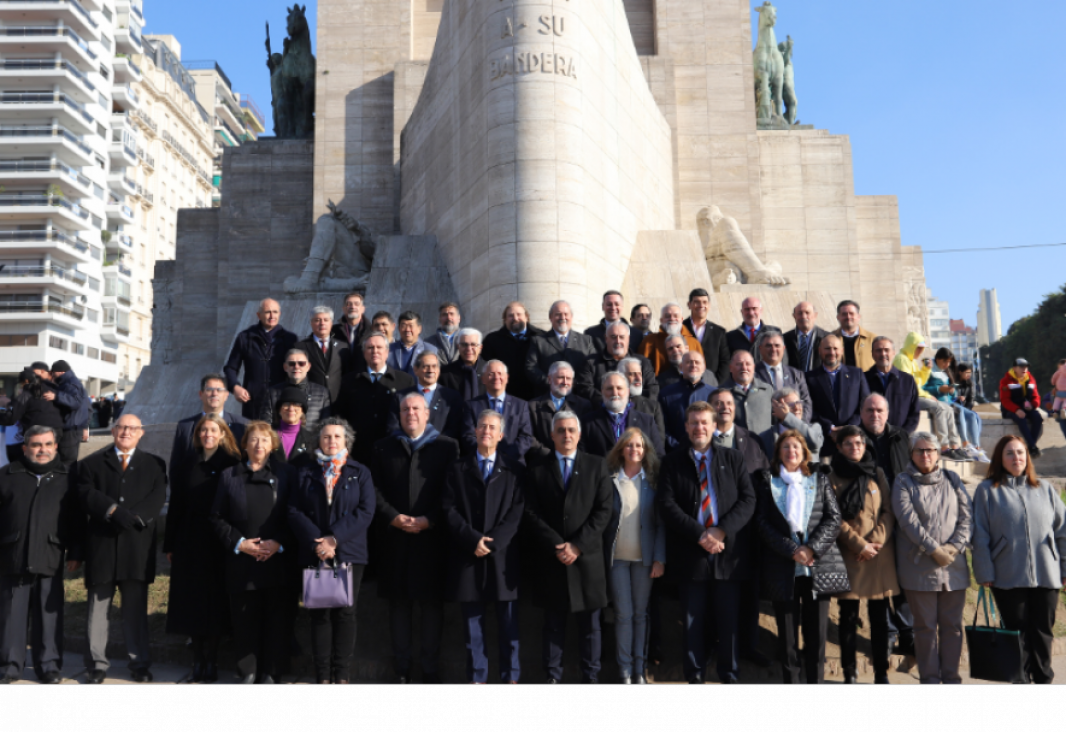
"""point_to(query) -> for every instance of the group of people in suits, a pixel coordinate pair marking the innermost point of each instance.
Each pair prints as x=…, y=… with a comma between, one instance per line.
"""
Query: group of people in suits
x=575, y=469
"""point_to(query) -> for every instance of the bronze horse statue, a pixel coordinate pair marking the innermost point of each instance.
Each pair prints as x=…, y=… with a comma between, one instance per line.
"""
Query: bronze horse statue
x=292, y=79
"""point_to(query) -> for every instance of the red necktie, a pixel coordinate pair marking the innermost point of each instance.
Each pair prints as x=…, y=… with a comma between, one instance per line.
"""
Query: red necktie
x=324, y=347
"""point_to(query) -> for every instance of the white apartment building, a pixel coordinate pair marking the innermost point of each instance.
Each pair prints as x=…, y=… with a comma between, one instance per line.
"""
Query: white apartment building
x=939, y=324
x=963, y=342
x=236, y=117
x=59, y=88
x=989, y=325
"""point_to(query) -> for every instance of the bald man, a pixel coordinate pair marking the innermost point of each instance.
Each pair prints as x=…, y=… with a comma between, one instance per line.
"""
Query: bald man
x=260, y=350
x=803, y=341
x=751, y=326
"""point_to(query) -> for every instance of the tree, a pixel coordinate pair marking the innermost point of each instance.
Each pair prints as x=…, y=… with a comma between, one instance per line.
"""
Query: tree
x=1039, y=338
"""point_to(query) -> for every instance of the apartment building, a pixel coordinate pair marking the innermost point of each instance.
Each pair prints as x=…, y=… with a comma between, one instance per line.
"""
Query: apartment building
x=939, y=324
x=963, y=342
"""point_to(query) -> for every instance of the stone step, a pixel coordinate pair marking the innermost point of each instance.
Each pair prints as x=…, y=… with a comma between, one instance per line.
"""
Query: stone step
x=966, y=470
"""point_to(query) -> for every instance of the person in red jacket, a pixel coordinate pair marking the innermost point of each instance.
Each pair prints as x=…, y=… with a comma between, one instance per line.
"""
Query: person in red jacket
x=1019, y=401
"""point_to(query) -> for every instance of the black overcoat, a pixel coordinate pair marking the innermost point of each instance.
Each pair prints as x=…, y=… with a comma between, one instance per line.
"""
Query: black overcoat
x=366, y=404
x=39, y=520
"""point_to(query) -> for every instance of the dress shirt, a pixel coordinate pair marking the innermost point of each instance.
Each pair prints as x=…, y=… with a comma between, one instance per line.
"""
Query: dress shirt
x=699, y=330
x=563, y=339
x=706, y=456
x=776, y=375
x=751, y=332
x=427, y=392
x=724, y=439
x=375, y=375
x=501, y=399
x=485, y=464
x=562, y=464
x=129, y=454
x=558, y=402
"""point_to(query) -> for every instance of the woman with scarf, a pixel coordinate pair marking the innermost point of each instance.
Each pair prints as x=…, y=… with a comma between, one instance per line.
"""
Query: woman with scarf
x=198, y=607
x=934, y=517
x=297, y=438
x=865, y=542
x=798, y=519
x=330, y=512
x=1019, y=401
x=1019, y=550
x=249, y=519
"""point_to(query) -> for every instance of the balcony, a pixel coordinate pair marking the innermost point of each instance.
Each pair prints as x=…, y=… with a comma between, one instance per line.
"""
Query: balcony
x=71, y=12
x=46, y=172
x=252, y=116
x=115, y=333
x=121, y=155
x=149, y=125
x=115, y=267
x=72, y=316
x=15, y=206
x=127, y=40
x=53, y=276
x=48, y=40
x=120, y=211
x=125, y=70
x=37, y=241
x=18, y=74
x=146, y=159
x=124, y=95
x=123, y=184
x=38, y=141
x=37, y=105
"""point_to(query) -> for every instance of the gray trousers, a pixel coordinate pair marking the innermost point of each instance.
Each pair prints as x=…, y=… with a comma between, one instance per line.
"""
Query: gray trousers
x=938, y=634
x=943, y=418
x=134, y=623
x=38, y=602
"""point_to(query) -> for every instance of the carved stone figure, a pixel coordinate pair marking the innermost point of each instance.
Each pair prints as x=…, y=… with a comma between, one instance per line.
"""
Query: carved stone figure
x=917, y=300
x=730, y=258
x=342, y=254
x=769, y=67
x=789, y=89
x=292, y=79
x=162, y=320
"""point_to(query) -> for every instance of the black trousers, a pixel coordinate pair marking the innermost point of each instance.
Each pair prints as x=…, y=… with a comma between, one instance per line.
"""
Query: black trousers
x=333, y=636
x=1031, y=610
x=401, y=618
x=901, y=622
x=588, y=625
x=69, y=446
x=258, y=630
x=38, y=600
x=849, y=633
x=724, y=596
x=810, y=615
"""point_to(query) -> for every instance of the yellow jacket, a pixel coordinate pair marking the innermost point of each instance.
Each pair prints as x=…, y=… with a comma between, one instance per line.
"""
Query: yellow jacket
x=906, y=363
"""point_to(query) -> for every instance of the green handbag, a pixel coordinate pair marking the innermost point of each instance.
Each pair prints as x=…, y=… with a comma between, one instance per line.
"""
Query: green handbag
x=995, y=652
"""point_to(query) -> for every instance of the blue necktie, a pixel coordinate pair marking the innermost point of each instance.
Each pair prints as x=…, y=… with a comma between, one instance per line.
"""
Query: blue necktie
x=486, y=470
x=803, y=344
x=566, y=472
x=497, y=404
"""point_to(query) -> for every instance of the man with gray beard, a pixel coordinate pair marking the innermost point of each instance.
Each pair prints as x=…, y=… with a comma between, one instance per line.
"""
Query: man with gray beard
x=560, y=398
x=653, y=347
x=632, y=369
x=589, y=375
x=603, y=426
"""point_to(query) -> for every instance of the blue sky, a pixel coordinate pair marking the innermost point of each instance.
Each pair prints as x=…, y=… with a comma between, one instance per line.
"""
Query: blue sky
x=952, y=106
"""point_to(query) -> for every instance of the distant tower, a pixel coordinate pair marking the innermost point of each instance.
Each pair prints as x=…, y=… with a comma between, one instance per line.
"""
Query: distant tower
x=989, y=326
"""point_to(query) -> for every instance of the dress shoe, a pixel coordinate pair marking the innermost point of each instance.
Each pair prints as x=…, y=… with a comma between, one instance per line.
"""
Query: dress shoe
x=95, y=676
x=627, y=680
x=265, y=679
x=641, y=678
x=210, y=672
x=403, y=678
x=249, y=679
x=341, y=681
x=323, y=681
x=431, y=679
x=9, y=679
x=903, y=649
x=197, y=675
x=697, y=679
x=52, y=677
x=881, y=679
x=850, y=677
x=756, y=657
x=141, y=675
x=553, y=680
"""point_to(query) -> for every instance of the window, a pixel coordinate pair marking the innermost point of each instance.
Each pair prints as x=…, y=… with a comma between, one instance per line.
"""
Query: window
x=107, y=357
x=94, y=353
x=77, y=348
x=7, y=341
x=54, y=342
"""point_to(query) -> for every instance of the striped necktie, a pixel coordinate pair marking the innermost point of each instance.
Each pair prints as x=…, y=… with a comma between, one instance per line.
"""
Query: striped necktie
x=804, y=347
x=708, y=507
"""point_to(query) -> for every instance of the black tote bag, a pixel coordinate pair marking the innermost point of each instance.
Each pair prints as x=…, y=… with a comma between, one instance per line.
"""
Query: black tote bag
x=995, y=653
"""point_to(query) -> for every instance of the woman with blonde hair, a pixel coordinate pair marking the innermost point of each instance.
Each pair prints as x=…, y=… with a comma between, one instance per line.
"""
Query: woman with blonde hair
x=635, y=548
x=197, y=605
x=1019, y=550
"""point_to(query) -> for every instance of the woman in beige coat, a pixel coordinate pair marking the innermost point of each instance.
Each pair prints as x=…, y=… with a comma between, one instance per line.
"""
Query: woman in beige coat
x=865, y=542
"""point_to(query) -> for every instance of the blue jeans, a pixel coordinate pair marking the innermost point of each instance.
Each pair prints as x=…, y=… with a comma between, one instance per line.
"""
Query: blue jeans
x=969, y=426
x=630, y=589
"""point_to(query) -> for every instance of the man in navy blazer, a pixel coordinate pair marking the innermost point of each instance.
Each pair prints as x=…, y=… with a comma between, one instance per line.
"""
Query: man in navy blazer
x=213, y=395
x=837, y=391
x=517, y=429
x=603, y=425
x=807, y=334
x=899, y=389
x=773, y=370
x=402, y=353
x=329, y=356
x=676, y=398
x=446, y=407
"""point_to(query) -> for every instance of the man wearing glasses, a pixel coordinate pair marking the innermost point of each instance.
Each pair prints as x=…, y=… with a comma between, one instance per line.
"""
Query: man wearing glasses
x=122, y=490
x=213, y=395
x=297, y=366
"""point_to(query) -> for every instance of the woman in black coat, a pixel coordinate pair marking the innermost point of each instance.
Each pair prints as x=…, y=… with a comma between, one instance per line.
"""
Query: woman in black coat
x=198, y=605
x=249, y=519
x=330, y=513
x=297, y=438
x=798, y=520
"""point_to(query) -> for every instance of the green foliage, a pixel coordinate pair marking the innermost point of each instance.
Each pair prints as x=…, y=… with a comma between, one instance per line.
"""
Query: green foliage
x=1039, y=338
x=105, y=236
x=54, y=191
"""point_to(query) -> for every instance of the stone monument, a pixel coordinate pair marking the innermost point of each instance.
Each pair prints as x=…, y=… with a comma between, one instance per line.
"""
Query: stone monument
x=292, y=79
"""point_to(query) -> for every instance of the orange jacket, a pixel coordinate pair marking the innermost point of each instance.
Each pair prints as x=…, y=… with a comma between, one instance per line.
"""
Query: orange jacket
x=653, y=348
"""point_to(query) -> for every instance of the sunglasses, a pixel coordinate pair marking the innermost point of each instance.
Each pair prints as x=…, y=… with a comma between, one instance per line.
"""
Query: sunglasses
x=297, y=363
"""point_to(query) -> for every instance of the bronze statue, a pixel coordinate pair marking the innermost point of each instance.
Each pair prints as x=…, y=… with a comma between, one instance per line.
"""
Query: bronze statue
x=292, y=79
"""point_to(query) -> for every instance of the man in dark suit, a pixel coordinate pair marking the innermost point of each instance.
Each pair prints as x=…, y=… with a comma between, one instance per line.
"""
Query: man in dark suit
x=297, y=369
x=402, y=353
x=352, y=328
x=753, y=398
x=409, y=471
x=446, y=407
x=837, y=391
x=712, y=337
x=483, y=505
x=607, y=360
x=560, y=398
x=260, y=350
x=612, y=315
x=803, y=341
x=510, y=344
x=366, y=397
x=771, y=368
x=463, y=375
x=122, y=490
x=329, y=356
x=706, y=501
x=517, y=430
x=899, y=389
x=676, y=399
x=213, y=395
x=444, y=340
x=39, y=508
x=743, y=338
x=602, y=426
x=569, y=496
x=558, y=344
x=640, y=321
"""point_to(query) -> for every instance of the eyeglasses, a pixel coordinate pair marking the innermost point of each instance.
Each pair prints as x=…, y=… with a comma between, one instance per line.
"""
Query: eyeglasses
x=297, y=363
x=123, y=430
x=926, y=450
x=214, y=390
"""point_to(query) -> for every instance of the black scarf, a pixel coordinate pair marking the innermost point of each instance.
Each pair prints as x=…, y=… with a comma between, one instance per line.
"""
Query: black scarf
x=38, y=469
x=852, y=498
